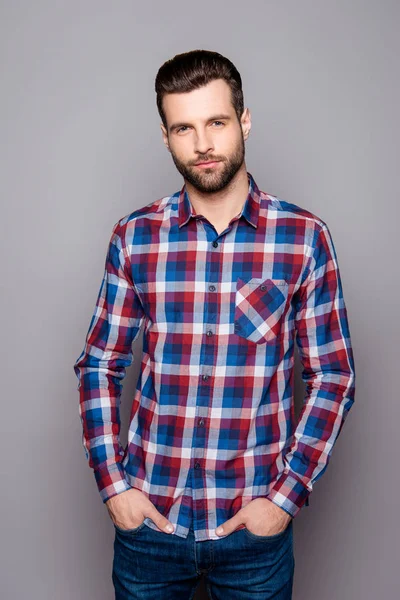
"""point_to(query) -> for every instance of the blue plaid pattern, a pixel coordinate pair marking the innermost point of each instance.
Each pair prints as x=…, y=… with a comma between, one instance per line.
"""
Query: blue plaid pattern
x=212, y=422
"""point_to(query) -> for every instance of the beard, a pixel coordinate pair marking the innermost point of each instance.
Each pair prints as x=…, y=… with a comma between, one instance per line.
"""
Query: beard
x=215, y=179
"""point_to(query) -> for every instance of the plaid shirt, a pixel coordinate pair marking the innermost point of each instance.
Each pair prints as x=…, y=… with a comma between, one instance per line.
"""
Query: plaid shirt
x=212, y=421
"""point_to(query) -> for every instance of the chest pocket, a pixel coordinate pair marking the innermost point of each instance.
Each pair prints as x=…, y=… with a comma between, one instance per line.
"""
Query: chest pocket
x=259, y=305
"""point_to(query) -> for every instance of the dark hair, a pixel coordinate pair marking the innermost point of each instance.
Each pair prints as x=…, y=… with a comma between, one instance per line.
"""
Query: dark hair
x=192, y=70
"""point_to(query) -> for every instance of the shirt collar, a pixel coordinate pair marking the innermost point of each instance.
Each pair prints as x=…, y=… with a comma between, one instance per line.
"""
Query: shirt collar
x=250, y=210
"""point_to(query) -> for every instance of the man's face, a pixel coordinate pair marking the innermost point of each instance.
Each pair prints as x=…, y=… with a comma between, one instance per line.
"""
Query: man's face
x=203, y=126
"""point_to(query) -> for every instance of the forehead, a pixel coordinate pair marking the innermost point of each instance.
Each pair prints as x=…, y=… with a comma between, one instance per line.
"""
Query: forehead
x=213, y=98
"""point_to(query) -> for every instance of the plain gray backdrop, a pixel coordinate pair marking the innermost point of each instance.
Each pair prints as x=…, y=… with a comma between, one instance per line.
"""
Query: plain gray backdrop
x=81, y=147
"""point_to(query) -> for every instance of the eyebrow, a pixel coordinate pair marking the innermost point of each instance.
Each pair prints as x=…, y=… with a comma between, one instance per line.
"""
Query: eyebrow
x=214, y=118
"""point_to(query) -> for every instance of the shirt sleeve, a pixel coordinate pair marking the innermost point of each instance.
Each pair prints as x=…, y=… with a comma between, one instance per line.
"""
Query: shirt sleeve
x=323, y=340
x=101, y=367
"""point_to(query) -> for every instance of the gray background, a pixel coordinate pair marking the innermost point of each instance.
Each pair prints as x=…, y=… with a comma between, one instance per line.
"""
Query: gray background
x=81, y=147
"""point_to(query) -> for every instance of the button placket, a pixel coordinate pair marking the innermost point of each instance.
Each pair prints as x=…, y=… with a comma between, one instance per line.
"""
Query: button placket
x=207, y=364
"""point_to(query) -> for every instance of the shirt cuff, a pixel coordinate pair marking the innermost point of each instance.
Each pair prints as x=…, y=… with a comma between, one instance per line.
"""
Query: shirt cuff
x=111, y=481
x=289, y=494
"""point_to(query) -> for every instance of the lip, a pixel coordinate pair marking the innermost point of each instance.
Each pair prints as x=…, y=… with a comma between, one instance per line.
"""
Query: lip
x=211, y=163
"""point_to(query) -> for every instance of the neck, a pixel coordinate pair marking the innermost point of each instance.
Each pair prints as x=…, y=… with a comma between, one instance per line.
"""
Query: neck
x=220, y=207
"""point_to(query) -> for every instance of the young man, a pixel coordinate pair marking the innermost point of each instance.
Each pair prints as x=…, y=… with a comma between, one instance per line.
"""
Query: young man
x=225, y=278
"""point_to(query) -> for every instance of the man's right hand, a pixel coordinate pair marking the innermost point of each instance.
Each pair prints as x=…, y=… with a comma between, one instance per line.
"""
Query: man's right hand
x=129, y=509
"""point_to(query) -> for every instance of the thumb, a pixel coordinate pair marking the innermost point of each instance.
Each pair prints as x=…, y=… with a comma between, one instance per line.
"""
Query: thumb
x=162, y=522
x=229, y=526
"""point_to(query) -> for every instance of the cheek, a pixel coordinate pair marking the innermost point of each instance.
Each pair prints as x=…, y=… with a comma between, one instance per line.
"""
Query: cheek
x=183, y=150
x=229, y=144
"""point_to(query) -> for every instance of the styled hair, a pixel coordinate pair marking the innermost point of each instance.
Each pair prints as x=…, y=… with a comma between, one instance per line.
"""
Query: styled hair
x=191, y=70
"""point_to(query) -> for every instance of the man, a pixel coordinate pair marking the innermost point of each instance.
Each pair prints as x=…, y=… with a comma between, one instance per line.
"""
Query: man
x=225, y=278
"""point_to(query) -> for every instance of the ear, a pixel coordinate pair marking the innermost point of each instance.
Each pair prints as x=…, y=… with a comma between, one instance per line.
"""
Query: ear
x=165, y=137
x=245, y=122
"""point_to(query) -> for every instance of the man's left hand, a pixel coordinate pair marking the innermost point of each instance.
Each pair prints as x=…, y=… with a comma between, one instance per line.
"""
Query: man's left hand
x=261, y=517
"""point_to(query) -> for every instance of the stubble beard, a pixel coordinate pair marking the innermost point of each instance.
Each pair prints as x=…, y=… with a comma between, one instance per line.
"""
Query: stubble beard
x=215, y=179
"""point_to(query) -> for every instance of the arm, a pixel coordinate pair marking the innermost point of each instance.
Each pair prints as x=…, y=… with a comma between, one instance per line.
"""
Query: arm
x=323, y=339
x=101, y=367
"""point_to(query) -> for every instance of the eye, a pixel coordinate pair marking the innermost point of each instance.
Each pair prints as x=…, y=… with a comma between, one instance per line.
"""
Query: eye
x=183, y=127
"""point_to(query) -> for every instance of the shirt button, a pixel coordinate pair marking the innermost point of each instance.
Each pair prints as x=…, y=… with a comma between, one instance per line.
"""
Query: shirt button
x=201, y=422
x=197, y=465
x=209, y=333
x=205, y=377
x=215, y=244
x=211, y=288
x=263, y=288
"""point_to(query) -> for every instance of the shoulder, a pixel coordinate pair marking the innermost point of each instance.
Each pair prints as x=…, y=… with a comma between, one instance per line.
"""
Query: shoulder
x=148, y=211
x=141, y=217
x=290, y=210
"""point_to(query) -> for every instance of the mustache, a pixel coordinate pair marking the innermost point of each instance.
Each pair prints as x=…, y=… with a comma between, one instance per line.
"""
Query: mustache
x=209, y=159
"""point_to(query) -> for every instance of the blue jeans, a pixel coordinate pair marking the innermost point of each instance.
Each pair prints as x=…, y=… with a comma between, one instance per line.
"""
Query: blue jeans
x=152, y=565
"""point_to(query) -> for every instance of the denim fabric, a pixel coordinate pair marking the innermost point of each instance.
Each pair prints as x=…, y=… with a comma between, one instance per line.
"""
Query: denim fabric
x=152, y=565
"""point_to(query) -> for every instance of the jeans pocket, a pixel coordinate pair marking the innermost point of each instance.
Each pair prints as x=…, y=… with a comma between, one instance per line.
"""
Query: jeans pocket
x=269, y=538
x=132, y=531
x=259, y=308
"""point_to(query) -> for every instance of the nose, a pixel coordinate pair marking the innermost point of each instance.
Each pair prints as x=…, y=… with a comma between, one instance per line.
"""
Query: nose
x=203, y=144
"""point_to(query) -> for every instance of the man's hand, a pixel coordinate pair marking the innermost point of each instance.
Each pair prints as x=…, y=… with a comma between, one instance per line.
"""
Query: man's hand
x=130, y=508
x=260, y=516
